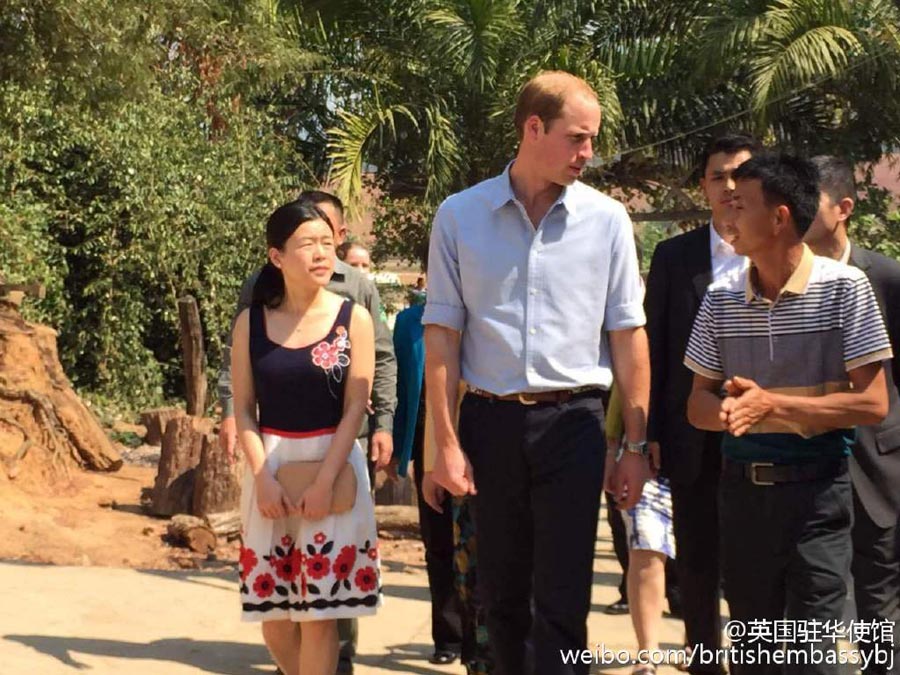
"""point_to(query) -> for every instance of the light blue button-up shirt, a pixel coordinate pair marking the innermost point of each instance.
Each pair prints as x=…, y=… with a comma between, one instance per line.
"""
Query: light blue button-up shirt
x=533, y=305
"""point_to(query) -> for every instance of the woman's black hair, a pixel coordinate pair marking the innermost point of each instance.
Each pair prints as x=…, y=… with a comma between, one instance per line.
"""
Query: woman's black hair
x=284, y=221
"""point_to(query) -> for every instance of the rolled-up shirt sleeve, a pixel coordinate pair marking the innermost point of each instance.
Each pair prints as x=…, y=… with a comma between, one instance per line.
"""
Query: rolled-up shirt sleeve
x=625, y=297
x=444, y=305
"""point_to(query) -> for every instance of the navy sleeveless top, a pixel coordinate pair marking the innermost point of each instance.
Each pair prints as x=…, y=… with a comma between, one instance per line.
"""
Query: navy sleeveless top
x=300, y=390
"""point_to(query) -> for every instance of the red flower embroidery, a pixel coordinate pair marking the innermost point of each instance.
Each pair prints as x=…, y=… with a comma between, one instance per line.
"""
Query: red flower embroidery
x=366, y=579
x=286, y=540
x=264, y=585
x=325, y=355
x=287, y=568
x=373, y=553
x=344, y=562
x=247, y=561
x=320, y=538
x=318, y=566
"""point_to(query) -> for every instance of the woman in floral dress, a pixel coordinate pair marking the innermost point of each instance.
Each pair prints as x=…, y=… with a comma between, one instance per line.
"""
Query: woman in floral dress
x=302, y=364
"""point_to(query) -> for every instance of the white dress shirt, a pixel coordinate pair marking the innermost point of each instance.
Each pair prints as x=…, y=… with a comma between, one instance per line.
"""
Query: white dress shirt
x=724, y=259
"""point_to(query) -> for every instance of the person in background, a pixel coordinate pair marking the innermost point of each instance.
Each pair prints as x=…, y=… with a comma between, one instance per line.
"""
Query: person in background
x=436, y=525
x=875, y=461
x=356, y=255
x=797, y=344
x=375, y=435
x=650, y=538
x=681, y=269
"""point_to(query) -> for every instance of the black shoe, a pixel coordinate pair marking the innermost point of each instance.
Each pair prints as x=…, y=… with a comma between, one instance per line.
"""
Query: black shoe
x=443, y=657
x=620, y=606
x=344, y=667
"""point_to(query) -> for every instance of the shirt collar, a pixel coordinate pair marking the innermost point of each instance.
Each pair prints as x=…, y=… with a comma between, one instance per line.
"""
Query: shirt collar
x=716, y=243
x=503, y=193
x=340, y=270
x=845, y=256
x=796, y=284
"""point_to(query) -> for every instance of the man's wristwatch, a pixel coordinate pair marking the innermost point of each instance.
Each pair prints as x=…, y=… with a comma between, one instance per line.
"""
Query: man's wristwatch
x=637, y=448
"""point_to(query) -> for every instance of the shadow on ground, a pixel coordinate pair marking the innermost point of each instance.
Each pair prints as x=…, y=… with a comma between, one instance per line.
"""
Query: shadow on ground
x=223, y=658
x=408, y=658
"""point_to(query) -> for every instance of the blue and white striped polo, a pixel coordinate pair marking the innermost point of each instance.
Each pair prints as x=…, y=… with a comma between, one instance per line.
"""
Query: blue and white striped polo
x=824, y=323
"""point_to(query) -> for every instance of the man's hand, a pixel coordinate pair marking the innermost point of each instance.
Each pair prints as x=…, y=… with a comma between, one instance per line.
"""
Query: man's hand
x=381, y=447
x=432, y=493
x=747, y=404
x=631, y=473
x=228, y=437
x=453, y=471
x=392, y=469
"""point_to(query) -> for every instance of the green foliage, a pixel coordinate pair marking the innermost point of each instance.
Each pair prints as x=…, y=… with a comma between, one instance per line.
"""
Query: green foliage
x=142, y=145
x=876, y=222
x=122, y=203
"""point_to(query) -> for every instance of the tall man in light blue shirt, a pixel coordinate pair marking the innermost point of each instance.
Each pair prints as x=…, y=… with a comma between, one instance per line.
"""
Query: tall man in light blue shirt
x=535, y=299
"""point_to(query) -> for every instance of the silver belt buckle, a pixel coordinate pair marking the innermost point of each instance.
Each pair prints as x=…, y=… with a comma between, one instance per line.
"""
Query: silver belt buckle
x=753, y=467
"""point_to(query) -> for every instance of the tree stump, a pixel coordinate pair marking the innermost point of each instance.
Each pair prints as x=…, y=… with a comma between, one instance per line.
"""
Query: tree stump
x=182, y=445
x=156, y=421
x=38, y=402
x=217, y=486
x=193, y=355
x=184, y=530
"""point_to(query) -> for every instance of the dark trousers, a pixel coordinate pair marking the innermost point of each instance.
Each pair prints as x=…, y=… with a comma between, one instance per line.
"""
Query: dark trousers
x=539, y=474
x=695, y=521
x=437, y=535
x=785, y=554
x=876, y=582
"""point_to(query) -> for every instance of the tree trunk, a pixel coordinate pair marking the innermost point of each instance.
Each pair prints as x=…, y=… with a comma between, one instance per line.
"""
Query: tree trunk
x=193, y=355
x=193, y=533
x=182, y=445
x=156, y=421
x=217, y=487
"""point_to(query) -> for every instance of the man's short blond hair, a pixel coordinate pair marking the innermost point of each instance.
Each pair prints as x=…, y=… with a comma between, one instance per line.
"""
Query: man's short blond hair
x=545, y=94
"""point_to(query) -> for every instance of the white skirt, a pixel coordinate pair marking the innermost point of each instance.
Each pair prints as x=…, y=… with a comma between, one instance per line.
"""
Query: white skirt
x=303, y=570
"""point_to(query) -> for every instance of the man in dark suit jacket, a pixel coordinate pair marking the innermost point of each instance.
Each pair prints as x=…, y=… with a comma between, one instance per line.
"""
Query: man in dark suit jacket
x=680, y=272
x=875, y=464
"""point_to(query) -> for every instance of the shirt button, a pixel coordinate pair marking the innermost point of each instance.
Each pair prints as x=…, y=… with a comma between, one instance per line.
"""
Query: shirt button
x=534, y=291
x=532, y=330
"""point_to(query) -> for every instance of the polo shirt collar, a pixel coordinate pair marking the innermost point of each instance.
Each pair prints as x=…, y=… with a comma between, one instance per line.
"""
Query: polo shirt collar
x=503, y=193
x=798, y=282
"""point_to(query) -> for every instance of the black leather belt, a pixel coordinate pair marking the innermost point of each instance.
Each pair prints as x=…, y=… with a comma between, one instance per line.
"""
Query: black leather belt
x=531, y=398
x=767, y=473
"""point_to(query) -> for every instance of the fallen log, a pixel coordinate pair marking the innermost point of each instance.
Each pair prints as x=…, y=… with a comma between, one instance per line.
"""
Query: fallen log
x=193, y=533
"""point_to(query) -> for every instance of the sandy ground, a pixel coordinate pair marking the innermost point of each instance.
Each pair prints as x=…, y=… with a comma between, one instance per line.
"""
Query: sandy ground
x=88, y=583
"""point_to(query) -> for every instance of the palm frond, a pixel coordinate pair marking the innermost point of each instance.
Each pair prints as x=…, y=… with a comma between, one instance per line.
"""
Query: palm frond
x=349, y=143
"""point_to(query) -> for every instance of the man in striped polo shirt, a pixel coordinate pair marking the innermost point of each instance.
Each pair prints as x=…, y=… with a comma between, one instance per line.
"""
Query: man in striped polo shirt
x=787, y=358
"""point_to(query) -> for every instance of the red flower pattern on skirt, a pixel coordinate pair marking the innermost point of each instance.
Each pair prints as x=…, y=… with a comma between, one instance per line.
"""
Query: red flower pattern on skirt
x=264, y=585
x=344, y=563
x=247, y=561
x=317, y=566
x=288, y=567
x=319, y=538
x=366, y=579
